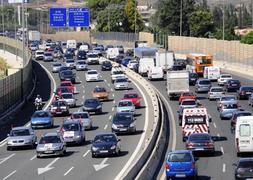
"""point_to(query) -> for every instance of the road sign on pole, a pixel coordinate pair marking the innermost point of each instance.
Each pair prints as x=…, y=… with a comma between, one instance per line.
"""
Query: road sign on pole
x=79, y=17
x=58, y=17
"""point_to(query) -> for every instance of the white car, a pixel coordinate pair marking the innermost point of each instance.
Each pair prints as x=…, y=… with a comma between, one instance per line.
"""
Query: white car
x=117, y=73
x=102, y=59
x=39, y=55
x=92, y=58
x=48, y=56
x=81, y=65
x=84, y=118
x=121, y=83
x=69, y=98
x=215, y=92
x=132, y=64
x=92, y=75
x=223, y=78
x=70, y=63
x=125, y=106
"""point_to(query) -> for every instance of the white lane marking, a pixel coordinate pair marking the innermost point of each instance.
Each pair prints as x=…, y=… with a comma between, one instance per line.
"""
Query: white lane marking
x=79, y=109
x=5, y=159
x=100, y=166
x=13, y=172
x=83, y=97
x=81, y=81
x=138, y=147
x=77, y=77
x=48, y=167
x=83, y=86
x=224, y=168
x=84, y=91
x=33, y=158
x=112, y=95
x=111, y=90
x=222, y=150
x=85, y=154
x=3, y=143
x=214, y=125
x=114, y=102
x=105, y=80
x=105, y=127
x=109, y=84
x=110, y=117
x=66, y=173
x=113, y=109
x=218, y=135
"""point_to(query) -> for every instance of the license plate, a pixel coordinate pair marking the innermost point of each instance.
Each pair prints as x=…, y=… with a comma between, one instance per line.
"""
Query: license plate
x=48, y=152
x=123, y=129
x=249, y=178
x=199, y=149
x=104, y=151
x=58, y=112
x=248, y=92
x=234, y=85
x=180, y=175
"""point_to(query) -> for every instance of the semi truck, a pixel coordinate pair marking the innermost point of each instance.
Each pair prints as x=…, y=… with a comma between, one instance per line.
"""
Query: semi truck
x=177, y=82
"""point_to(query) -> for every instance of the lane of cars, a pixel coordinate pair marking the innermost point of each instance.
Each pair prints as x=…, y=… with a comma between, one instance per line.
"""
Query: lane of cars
x=74, y=95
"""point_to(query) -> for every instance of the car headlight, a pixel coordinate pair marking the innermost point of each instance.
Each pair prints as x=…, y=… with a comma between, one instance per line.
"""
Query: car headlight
x=113, y=147
x=99, y=107
x=114, y=126
x=132, y=124
x=9, y=142
x=78, y=136
x=94, y=148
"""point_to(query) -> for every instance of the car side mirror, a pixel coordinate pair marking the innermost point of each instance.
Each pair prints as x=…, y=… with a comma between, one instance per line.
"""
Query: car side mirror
x=8, y=135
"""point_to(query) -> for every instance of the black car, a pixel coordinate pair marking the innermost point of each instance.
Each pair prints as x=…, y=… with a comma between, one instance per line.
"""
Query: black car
x=232, y=85
x=67, y=75
x=81, y=55
x=200, y=142
x=68, y=56
x=119, y=58
x=105, y=144
x=123, y=122
x=193, y=77
x=244, y=168
x=92, y=105
x=177, y=67
x=244, y=92
x=106, y=66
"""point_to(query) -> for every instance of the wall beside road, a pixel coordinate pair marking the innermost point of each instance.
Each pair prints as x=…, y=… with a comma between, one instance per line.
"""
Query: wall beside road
x=15, y=88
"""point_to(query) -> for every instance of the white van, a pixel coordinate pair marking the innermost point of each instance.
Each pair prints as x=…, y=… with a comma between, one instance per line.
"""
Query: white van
x=112, y=53
x=155, y=73
x=84, y=47
x=212, y=72
x=144, y=65
x=71, y=44
x=244, y=134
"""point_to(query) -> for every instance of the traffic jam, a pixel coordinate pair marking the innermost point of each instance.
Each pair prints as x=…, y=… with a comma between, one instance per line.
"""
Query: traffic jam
x=67, y=58
x=188, y=78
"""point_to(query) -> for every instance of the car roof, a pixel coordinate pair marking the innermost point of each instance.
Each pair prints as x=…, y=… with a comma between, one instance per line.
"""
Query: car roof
x=125, y=100
x=71, y=121
x=51, y=134
x=101, y=134
x=20, y=127
x=245, y=159
x=180, y=151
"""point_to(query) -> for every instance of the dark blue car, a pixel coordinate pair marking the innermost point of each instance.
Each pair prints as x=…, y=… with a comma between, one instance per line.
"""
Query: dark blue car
x=105, y=144
x=181, y=164
x=125, y=61
x=42, y=119
x=106, y=66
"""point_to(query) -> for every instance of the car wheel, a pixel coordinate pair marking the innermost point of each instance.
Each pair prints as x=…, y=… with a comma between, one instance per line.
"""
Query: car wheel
x=238, y=154
x=9, y=148
x=93, y=155
x=38, y=156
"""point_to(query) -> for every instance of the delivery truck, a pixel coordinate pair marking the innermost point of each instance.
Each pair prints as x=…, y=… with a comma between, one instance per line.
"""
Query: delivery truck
x=177, y=82
x=34, y=36
x=144, y=52
x=164, y=60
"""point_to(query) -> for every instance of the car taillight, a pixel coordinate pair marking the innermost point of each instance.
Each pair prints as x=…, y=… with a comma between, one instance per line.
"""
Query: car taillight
x=209, y=144
x=242, y=92
x=189, y=144
x=167, y=166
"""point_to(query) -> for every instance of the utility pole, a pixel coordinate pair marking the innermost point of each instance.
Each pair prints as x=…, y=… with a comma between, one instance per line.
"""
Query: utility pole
x=181, y=16
x=252, y=13
x=135, y=17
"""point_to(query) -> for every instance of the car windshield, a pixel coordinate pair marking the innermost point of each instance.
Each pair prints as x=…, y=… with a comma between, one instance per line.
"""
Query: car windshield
x=70, y=61
x=67, y=96
x=81, y=53
x=193, y=75
x=105, y=138
x=195, y=119
x=179, y=157
x=67, y=72
x=91, y=101
x=188, y=103
x=81, y=62
x=234, y=81
x=41, y=114
x=58, y=103
x=65, y=84
x=244, y=114
x=92, y=55
x=20, y=132
x=106, y=63
x=246, y=164
x=121, y=80
x=125, y=103
x=205, y=82
x=68, y=56
x=122, y=117
x=39, y=53
x=226, y=76
x=188, y=94
x=80, y=115
x=230, y=106
x=50, y=139
x=48, y=54
x=130, y=96
x=197, y=137
x=71, y=127
x=92, y=72
x=216, y=90
x=248, y=88
x=99, y=89
x=63, y=90
x=117, y=72
x=56, y=65
x=228, y=98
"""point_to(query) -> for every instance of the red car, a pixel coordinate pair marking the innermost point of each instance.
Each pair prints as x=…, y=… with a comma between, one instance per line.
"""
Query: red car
x=134, y=97
x=68, y=85
x=59, y=107
x=61, y=90
x=187, y=95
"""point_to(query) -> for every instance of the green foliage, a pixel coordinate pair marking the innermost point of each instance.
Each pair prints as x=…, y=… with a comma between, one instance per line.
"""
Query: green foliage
x=201, y=23
x=248, y=38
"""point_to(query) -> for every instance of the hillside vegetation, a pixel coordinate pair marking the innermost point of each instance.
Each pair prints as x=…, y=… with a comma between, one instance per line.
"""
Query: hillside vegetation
x=3, y=68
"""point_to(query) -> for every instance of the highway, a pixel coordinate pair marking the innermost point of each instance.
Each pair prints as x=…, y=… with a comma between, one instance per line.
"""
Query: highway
x=78, y=163
x=219, y=166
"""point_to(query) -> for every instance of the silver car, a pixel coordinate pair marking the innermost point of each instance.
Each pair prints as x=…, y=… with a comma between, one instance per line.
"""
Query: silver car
x=69, y=98
x=70, y=63
x=51, y=144
x=81, y=65
x=215, y=92
x=84, y=118
x=203, y=85
x=125, y=106
x=228, y=108
x=20, y=137
x=121, y=83
x=56, y=67
x=48, y=56
x=223, y=99
x=73, y=132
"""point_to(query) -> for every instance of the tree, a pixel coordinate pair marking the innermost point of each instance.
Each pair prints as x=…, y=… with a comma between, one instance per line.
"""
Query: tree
x=248, y=38
x=201, y=22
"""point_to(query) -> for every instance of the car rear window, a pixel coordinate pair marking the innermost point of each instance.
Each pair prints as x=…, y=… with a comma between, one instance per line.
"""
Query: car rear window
x=226, y=76
x=50, y=139
x=125, y=103
x=180, y=157
x=188, y=103
x=71, y=127
x=244, y=130
x=130, y=96
x=205, y=82
x=20, y=132
x=199, y=137
x=67, y=96
x=92, y=72
x=246, y=164
x=216, y=90
x=40, y=114
x=105, y=138
x=230, y=106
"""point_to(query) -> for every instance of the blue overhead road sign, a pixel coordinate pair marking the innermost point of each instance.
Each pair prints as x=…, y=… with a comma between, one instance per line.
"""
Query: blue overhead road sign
x=79, y=17
x=58, y=17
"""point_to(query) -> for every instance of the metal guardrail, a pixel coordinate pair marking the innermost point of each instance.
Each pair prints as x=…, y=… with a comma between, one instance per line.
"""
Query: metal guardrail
x=15, y=88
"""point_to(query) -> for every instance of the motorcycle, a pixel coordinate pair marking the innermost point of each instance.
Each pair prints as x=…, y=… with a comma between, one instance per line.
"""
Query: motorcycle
x=38, y=105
